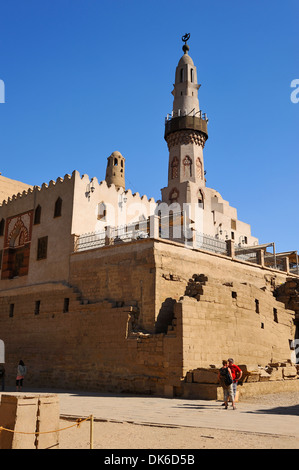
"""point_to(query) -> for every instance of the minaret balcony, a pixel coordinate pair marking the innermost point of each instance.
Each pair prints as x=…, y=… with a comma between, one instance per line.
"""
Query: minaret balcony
x=196, y=122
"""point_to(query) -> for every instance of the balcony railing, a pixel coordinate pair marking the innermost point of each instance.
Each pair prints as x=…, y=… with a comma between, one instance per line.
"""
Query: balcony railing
x=257, y=254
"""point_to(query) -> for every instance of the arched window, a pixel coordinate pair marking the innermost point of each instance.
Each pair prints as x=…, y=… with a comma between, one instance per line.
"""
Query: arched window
x=19, y=235
x=192, y=75
x=187, y=162
x=174, y=168
x=198, y=168
x=2, y=225
x=58, y=207
x=37, y=215
x=181, y=75
x=102, y=211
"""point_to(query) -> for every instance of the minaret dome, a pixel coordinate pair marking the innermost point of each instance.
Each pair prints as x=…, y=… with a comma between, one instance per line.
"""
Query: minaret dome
x=115, y=172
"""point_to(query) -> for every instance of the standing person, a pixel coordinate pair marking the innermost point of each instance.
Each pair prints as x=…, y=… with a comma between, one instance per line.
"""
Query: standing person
x=21, y=372
x=226, y=381
x=236, y=374
x=2, y=376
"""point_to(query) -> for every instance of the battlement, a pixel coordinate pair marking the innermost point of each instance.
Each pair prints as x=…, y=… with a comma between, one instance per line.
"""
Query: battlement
x=34, y=189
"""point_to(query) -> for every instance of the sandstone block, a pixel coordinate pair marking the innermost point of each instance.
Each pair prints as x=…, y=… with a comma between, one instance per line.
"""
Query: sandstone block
x=264, y=376
x=289, y=372
x=18, y=413
x=28, y=414
x=253, y=376
x=208, y=376
x=189, y=377
x=275, y=373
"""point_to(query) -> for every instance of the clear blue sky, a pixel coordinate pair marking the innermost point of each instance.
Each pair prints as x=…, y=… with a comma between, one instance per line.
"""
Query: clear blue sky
x=86, y=77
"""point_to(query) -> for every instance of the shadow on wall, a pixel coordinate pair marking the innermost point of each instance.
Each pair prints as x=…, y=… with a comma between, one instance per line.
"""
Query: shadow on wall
x=165, y=316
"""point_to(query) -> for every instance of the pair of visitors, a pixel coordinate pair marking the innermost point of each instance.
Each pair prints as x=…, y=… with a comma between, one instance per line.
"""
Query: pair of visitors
x=226, y=381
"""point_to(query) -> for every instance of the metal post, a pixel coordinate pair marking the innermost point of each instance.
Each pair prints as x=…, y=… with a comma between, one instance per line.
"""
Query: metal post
x=91, y=432
x=274, y=253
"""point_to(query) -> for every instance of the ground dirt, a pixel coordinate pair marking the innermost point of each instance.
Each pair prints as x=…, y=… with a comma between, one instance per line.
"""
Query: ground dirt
x=124, y=435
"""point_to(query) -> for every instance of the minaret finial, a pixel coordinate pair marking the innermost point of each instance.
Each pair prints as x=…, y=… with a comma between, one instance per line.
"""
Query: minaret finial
x=185, y=38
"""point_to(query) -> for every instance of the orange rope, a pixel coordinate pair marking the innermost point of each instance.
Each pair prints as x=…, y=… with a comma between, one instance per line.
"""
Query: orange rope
x=79, y=421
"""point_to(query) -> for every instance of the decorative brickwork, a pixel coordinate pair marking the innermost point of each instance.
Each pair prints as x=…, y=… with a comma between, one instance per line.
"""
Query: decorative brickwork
x=186, y=137
x=17, y=245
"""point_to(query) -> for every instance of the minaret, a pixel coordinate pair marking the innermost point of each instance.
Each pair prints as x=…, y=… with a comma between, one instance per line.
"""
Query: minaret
x=115, y=172
x=185, y=133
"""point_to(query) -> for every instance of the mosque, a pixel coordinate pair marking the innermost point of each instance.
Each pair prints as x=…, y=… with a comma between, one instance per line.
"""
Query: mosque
x=104, y=289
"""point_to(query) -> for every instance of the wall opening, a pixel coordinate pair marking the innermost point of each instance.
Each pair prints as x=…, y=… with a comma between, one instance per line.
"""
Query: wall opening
x=66, y=305
x=37, y=307
x=2, y=224
x=58, y=207
x=181, y=75
x=42, y=248
x=37, y=215
x=11, y=310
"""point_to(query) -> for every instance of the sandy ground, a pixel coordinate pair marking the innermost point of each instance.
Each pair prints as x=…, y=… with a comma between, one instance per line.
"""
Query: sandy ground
x=114, y=435
x=131, y=436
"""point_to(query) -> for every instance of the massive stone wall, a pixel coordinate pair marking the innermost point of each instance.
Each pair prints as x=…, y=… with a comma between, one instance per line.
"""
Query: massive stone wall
x=136, y=317
x=93, y=346
x=234, y=319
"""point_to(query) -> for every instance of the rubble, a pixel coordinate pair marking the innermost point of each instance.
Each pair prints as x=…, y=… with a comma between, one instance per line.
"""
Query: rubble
x=271, y=372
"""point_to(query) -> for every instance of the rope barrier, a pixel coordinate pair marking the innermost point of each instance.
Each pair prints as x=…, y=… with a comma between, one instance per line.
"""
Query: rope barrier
x=78, y=423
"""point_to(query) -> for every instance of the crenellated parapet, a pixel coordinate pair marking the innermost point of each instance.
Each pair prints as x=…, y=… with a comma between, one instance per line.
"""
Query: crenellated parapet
x=36, y=189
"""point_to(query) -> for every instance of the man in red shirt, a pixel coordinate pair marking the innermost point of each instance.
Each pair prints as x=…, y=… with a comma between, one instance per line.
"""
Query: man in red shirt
x=236, y=374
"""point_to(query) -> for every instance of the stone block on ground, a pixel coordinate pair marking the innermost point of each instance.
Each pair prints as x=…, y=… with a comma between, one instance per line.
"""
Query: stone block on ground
x=208, y=376
x=25, y=416
x=253, y=376
x=289, y=372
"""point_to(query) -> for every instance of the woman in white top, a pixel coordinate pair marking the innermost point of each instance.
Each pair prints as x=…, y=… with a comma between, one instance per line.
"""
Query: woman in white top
x=21, y=371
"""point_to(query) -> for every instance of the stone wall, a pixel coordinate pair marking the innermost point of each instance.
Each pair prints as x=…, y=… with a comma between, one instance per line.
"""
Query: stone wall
x=123, y=273
x=234, y=319
x=92, y=346
x=55, y=229
x=8, y=187
x=137, y=317
x=273, y=378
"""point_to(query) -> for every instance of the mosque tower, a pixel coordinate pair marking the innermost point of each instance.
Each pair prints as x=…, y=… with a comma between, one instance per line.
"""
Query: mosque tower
x=115, y=171
x=185, y=134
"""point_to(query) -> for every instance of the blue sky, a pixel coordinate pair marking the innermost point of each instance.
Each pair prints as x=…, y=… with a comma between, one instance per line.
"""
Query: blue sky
x=86, y=77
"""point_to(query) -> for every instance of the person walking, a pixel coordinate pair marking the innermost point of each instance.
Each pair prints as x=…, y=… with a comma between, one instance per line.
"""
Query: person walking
x=226, y=381
x=236, y=374
x=21, y=372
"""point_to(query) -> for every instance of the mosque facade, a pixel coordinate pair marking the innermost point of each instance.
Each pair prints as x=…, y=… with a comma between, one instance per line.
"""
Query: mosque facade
x=104, y=289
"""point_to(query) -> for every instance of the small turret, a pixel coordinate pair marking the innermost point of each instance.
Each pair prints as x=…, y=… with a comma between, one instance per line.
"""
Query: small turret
x=115, y=172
